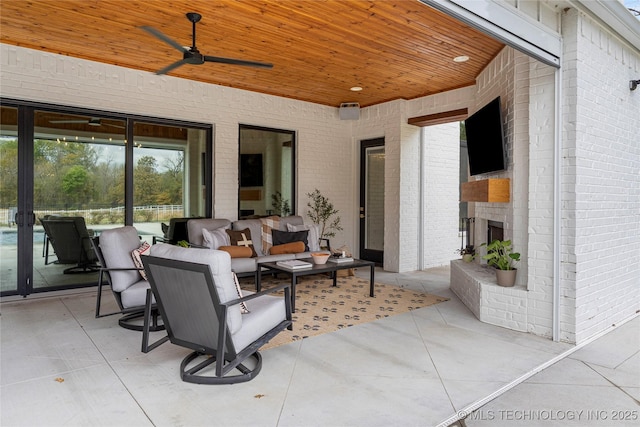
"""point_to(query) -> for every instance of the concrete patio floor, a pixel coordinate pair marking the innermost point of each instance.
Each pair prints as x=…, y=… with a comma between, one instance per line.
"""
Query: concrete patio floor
x=61, y=366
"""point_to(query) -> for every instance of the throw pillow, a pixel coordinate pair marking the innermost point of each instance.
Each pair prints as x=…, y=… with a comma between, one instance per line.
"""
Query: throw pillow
x=288, y=248
x=314, y=234
x=242, y=238
x=268, y=224
x=281, y=237
x=143, y=249
x=213, y=239
x=243, y=305
x=237, y=251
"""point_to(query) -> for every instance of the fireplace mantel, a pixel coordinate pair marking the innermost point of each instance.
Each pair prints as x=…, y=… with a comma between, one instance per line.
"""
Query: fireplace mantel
x=494, y=190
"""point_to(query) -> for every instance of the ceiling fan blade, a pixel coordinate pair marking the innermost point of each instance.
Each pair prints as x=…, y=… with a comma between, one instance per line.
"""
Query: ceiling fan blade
x=164, y=38
x=236, y=61
x=168, y=68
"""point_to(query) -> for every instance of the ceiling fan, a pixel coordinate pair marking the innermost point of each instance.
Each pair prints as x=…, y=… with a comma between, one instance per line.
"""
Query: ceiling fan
x=93, y=121
x=192, y=55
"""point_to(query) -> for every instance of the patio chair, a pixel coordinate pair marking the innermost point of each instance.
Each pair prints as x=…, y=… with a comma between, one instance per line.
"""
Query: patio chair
x=200, y=305
x=175, y=231
x=71, y=242
x=114, y=250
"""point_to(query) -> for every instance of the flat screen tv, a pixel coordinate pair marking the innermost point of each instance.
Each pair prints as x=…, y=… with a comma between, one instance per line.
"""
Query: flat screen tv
x=250, y=170
x=485, y=139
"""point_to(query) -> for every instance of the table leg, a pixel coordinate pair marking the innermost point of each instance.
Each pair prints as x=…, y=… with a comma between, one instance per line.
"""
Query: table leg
x=294, y=279
x=335, y=278
x=371, y=283
x=258, y=278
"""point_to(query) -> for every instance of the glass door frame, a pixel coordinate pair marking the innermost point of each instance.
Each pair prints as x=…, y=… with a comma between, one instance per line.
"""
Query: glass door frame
x=366, y=253
x=25, y=217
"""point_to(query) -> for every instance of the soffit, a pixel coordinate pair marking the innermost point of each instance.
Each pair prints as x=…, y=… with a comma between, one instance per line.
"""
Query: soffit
x=320, y=49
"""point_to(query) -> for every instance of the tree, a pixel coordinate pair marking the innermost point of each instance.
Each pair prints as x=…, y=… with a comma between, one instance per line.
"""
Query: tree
x=76, y=185
x=321, y=212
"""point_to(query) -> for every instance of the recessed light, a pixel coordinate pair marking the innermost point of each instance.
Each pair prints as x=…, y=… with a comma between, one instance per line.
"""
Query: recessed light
x=355, y=89
x=461, y=58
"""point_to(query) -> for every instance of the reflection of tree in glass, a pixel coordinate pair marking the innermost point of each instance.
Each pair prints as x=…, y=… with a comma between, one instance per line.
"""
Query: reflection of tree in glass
x=70, y=175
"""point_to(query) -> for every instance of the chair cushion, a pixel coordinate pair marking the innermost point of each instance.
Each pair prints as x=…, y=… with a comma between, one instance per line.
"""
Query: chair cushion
x=266, y=312
x=135, y=295
x=219, y=263
x=117, y=245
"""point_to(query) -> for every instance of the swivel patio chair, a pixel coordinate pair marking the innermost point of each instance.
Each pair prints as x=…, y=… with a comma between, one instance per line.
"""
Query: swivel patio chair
x=71, y=243
x=114, y=250
x=200, y=306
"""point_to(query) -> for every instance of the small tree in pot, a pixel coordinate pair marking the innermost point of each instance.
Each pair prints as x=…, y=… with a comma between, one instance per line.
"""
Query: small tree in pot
x=321, y=212
x=501, y=256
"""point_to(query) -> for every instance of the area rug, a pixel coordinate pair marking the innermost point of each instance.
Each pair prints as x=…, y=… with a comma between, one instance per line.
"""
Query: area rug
x=322, y=308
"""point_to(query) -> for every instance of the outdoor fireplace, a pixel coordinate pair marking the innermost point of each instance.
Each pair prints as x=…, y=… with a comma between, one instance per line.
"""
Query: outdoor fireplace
x=495, y=231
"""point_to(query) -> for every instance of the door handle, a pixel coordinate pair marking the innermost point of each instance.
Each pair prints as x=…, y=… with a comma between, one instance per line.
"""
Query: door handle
x=18, y=219
x=32, y=219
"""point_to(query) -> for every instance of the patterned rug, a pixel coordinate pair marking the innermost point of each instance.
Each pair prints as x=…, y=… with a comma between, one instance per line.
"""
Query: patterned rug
x=322, y=308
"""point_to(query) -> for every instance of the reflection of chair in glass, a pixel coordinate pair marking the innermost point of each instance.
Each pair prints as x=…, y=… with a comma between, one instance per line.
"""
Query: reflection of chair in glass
x=176, y=231
x=200, y=307
x=71, y=243
x=114, y=250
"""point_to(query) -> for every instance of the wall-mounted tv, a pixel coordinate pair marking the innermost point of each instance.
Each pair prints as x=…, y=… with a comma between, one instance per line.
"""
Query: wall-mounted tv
x=485, y=139
x=250, y=170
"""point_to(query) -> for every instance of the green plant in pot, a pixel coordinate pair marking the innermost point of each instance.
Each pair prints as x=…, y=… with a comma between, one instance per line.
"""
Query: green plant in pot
x=322, y=212
x=500, y=255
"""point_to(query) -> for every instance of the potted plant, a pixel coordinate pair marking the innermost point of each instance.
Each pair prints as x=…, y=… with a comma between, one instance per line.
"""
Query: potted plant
x=501, y=256
x=467, y=254
x=321, y=212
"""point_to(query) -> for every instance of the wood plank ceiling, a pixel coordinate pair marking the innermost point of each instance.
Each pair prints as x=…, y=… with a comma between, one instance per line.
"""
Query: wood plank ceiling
x=400, y=49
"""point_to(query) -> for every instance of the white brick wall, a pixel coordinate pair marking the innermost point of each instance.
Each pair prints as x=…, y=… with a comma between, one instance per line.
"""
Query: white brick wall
x=601, y=182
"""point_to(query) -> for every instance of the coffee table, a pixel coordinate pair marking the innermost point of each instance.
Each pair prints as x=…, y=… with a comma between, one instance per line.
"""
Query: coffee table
x=329, y=267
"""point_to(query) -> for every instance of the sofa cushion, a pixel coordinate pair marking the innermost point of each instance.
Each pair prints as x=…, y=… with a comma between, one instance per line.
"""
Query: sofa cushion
x=288, y=248
x=314, y=234
x=256, y=232
x=219, y=263
x=242, y=238
x=195, y=226
x=237, y=251
x=281, y=237
x=213, y=239
x=268, y=224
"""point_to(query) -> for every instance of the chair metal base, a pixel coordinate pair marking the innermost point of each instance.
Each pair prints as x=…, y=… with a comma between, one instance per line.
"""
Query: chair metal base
x=190, y=374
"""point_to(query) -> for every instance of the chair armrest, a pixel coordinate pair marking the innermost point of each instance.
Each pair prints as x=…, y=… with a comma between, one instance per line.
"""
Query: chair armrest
x=121, y=269
x=256, y=295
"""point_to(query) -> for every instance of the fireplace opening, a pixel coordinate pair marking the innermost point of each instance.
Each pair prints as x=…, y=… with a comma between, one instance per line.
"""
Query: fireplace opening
x=495, y=231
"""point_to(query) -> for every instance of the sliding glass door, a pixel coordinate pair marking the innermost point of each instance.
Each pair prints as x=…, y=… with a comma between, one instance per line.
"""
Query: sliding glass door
x=75, y=175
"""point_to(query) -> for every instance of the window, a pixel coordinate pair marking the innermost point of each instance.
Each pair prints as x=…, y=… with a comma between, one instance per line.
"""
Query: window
x=266, y=170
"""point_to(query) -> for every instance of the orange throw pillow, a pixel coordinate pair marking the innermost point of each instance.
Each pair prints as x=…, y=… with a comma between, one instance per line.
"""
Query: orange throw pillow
x=287, y=248
x=237, y=251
